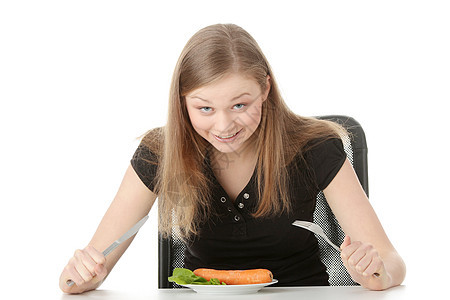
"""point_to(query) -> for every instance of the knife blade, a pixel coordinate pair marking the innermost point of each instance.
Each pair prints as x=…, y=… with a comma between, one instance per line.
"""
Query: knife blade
x=132, y=231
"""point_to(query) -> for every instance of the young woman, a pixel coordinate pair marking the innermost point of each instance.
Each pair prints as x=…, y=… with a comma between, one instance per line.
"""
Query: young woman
x=232, y=169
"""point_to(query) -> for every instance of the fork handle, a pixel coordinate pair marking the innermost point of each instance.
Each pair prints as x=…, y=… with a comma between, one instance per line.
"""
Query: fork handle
x=70, y=282
x=339, y=249
x=331, y=243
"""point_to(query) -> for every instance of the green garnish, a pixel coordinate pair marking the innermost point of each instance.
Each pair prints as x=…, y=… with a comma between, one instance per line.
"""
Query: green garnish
x=186, y=276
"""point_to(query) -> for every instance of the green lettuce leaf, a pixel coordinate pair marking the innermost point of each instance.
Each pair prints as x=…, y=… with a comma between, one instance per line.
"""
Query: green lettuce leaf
x=186, y=276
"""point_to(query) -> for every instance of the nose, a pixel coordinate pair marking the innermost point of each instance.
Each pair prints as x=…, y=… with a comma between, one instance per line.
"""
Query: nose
x=224, y=123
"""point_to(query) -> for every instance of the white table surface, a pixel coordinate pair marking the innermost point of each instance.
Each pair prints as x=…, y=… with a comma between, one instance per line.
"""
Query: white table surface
x=276, y=293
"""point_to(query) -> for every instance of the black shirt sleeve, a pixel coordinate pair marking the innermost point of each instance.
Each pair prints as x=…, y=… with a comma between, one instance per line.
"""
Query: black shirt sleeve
x=145, y=164
x=326, y=159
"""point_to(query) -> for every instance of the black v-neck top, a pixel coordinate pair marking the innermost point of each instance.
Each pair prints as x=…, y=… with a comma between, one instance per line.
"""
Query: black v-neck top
x=234, y=239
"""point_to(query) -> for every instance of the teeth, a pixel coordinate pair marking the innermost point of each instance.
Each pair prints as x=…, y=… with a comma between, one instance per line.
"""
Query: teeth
x=228, y=136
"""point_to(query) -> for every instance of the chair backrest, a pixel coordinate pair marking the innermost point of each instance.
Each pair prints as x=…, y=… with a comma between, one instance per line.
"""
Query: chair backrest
x=171, y=249
x=355, y=147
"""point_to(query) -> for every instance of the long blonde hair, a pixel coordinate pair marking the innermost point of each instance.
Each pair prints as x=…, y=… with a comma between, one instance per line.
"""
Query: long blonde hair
x=182, y=185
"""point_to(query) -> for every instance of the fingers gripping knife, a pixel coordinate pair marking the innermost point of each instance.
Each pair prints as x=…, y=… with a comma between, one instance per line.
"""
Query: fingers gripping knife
x=133, y=230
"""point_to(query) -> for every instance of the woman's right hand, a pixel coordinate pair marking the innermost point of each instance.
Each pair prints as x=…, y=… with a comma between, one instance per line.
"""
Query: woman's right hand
x=89, y=267
x=86, y=269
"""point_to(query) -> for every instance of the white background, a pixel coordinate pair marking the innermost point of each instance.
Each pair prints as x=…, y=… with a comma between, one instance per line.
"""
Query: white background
x=80, y=81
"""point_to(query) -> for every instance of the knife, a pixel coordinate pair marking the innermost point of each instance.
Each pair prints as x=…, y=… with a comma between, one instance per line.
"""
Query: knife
x=133, y=230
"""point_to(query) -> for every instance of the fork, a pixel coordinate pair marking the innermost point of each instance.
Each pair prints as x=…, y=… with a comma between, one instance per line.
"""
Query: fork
x=319, y=231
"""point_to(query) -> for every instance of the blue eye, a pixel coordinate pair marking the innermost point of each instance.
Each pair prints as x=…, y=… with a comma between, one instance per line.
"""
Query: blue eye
x=239, y=106
x=205, y=109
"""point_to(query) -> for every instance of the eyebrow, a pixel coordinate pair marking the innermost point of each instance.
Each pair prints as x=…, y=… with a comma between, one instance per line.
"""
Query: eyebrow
x=234, y=98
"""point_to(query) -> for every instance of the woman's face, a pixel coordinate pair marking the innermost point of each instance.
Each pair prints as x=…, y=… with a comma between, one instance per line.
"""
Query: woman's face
x=227, y=112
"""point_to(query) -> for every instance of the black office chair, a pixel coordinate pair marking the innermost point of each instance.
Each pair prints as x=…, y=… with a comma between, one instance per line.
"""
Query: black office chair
x=171, y=250
x=355, y=147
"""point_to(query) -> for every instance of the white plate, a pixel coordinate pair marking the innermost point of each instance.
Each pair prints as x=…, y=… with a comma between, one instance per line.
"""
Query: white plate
x=228, y=289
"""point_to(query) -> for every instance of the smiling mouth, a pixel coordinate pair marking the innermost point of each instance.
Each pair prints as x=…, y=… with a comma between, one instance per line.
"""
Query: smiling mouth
x=227, y=138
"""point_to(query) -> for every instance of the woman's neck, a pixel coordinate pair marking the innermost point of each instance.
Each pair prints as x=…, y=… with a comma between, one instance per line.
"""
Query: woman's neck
x=247, y=153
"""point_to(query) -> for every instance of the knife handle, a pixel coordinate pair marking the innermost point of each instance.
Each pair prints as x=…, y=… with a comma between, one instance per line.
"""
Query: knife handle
x=105, y=253
x=132, y=231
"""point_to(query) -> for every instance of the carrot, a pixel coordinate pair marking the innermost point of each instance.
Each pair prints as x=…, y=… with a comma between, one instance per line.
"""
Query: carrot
x=251, y=276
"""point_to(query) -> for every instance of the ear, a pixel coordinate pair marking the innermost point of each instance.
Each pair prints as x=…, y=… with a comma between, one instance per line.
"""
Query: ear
x=266, y=92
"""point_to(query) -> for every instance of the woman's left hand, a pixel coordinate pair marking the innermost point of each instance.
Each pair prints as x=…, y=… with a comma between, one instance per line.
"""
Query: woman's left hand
x=364, y=264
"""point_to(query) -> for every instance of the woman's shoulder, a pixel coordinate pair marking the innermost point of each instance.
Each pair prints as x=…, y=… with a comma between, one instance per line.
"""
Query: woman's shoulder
x=146, y=158
x=306, y=134
x=150, y=148
x=153, y=140
x=324, y=146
